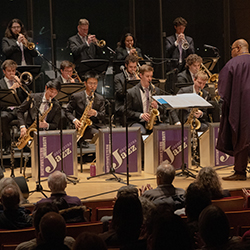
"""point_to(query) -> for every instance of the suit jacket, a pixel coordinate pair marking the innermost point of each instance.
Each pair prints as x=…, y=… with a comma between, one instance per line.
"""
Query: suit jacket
x=135, y=106
x=121, y=53
x=53, y=117
x=119, y=81
x=185, y=77
x=173, y=52
x=205, y=95
x=12, y=51
x=21, y=94
x=80, y=50
x=77, y=103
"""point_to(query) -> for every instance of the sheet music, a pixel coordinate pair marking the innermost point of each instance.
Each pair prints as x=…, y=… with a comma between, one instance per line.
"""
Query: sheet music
x=180, y=101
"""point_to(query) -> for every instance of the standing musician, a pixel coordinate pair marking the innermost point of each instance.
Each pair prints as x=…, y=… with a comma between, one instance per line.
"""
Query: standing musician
x=127, y=46
x=174, y=44
x=82, y=45
x=200, y=80
x=15, y=42
x=80, y=100
x=41, y=101
x=139, y=101
x=119, y=80
x=67, y=69
x=10, y=81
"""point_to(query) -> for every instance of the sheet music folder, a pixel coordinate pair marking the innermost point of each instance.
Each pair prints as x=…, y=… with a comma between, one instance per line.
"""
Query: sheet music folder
x=183, y=101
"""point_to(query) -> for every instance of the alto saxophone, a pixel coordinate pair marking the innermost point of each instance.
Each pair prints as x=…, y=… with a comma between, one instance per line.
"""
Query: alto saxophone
x=28, y=136
x=85, y=121
x=154, y=113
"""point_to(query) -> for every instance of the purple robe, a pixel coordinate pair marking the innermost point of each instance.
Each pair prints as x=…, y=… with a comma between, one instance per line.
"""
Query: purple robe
x=234, y=89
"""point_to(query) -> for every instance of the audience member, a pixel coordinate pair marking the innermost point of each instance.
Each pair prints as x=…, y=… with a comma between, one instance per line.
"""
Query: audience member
x=42, y=209
x=126, y=222
x=57, y=183
x=52, y=232
x=208, y=180
x=165, y=191
x=89, y=241
x=13, y=216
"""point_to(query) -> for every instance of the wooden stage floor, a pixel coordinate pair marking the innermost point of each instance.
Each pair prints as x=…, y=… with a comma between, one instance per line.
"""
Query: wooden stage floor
x=100, y=188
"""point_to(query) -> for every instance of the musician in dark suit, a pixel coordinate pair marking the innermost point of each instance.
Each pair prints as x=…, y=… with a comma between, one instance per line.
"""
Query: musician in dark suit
x=200, y=80
x=80, y=100
x=174, y=43
x=193, y=64
x=10, y=81
x=127, y=46
x=139, y=101
x=119, y=80
x=43, y=102
x=67, y=69
x=82, y=45
x=13, y=44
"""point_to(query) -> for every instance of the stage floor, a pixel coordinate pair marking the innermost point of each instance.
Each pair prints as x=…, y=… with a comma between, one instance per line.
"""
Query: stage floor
x=100, y=188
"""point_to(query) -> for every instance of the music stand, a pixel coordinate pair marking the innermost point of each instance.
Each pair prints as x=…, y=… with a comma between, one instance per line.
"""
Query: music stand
x=35, y=70
x=8, y=98
x=183, y=101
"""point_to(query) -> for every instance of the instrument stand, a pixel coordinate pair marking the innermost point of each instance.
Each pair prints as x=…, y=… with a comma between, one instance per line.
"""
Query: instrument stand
x=39, y=187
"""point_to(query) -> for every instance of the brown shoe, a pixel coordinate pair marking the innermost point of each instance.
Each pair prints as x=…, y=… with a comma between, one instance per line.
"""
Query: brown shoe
x=235, y=177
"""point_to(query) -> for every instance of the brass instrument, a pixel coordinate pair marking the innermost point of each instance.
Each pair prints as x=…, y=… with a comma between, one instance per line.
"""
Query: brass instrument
x=22, y=141
x=154, y=113
x=185, y=45
x=85, y=121
x=76, y=76
x=136, y=54
x=25, y=78
x=99, y=43
x=28, y=44
x=192, y=118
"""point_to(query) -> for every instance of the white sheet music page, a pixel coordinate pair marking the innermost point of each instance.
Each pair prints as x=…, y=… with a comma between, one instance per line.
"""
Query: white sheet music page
x=180, y=101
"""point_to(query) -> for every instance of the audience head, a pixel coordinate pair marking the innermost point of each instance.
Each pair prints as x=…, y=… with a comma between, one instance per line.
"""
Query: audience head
x=165, y=173
x=193, y=63
x=10, y=197
x=127, y=218
x=52, y=228
x=196, y=199
x=57, y=182
x=89, y=241
x=208, y=180
x=214, y=227
x=127, y=190
x=238, y=47
x=15, y=26
x=42, y=209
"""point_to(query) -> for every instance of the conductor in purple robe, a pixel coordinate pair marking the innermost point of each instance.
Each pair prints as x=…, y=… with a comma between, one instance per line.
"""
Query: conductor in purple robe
x=234, y=89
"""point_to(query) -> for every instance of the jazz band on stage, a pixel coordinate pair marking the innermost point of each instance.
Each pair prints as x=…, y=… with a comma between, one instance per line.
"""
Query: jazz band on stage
x=85, y=110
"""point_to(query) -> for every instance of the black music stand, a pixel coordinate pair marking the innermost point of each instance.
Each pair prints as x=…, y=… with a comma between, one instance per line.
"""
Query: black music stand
x=35, y=70
x=183, y=101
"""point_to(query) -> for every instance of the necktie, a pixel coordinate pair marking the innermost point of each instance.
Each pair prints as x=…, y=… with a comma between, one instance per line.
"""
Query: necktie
x=11, y=82
x=147, y=99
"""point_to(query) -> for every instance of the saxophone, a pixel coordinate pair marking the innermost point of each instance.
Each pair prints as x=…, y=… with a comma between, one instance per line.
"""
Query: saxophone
x=85, y=121
x=154, y=113
x=22, y=141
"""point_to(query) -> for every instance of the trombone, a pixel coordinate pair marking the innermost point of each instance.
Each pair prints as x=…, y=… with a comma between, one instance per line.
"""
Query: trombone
x=24, y=78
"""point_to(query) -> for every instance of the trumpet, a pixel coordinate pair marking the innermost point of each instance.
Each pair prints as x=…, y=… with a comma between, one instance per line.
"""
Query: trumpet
x=28, y=44
x=99, y=43
x=135, y=53
x=185, y=45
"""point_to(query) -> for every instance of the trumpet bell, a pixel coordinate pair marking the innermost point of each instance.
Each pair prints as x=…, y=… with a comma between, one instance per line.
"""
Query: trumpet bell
x=26, y=78
x=101, y=43
x=185, y=45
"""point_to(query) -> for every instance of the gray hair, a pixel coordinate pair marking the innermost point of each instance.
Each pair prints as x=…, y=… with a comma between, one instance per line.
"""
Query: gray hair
x=57, y=181
x=83, y=22
x=166, y=173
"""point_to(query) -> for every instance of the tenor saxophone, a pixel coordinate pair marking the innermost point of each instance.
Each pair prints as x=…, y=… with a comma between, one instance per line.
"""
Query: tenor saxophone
x=154, y=113
x=191, y=119
x=28, y=136
x=85, y=121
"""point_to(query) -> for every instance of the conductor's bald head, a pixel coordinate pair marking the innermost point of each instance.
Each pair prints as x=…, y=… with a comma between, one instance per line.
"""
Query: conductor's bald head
x=239, y=47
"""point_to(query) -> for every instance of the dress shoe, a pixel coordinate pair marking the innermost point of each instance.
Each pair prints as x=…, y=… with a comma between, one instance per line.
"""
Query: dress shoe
x=235, y=177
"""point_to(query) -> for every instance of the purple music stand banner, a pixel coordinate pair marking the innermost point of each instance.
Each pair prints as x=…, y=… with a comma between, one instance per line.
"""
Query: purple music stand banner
x=119, y=151
x=220, y=158
x=170, y=146
x=50, y=154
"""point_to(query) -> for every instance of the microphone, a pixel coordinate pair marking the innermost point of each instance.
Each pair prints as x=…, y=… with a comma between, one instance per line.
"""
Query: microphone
x=122, y=68
x=148, y=58
x=210, y=47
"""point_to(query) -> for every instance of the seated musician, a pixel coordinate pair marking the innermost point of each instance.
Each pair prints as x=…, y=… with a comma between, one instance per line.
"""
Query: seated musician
x=67, y=69
x=119, y=80
x=139, y=101
x=10, y=81
x=82, y=100
x=200, y=80
x=45, y=104
x=14, y=44
x=193, y=64
x=127, y=46
x=82, y=45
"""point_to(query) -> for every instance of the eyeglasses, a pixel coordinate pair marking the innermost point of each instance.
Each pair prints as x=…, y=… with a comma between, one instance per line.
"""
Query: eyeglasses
x=232, y=48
